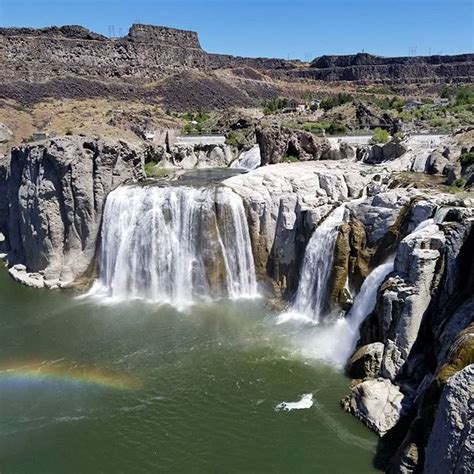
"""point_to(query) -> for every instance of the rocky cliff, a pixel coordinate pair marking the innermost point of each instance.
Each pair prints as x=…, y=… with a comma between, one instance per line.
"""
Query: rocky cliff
x=58, y=60
x=56, y=191
x=377, y=69
x=413, y=362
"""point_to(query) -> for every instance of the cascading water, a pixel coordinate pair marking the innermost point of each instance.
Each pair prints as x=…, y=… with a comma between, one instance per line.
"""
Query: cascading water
x=249, y=160
x=336, y=341
x=174, y=245
x=311, y=296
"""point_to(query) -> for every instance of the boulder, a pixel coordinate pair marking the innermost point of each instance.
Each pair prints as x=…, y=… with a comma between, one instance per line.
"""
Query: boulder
x=450, y=446
x=57, y=191
x=380, y=153
x=377, y=403
x=277, y=143
x=437, y=163
x=366, y=361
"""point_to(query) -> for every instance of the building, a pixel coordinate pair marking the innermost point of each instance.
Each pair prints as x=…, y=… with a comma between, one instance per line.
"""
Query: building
x=37, y=136
x=440, y=102
x=413, y=105
x=295, y=106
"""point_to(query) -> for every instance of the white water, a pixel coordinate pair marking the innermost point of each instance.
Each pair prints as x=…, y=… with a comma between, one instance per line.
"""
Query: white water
x=306, y=401
x=174, y=245
x=311, y=296
x=248, y=160
x=335, y=342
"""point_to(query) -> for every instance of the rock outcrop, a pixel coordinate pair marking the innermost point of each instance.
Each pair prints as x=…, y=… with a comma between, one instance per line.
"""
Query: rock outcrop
x=279, y=143
x=450, y=447
x=370, y=68
x=193, y=156
x=285, y=202
x=420, y=337
x=57, y=190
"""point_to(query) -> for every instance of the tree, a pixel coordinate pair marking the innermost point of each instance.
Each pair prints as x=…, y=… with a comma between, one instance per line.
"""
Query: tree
x=380, y=136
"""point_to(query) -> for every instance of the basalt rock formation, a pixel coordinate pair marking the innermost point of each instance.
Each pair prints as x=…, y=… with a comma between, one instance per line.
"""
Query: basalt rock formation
x=278, y=143
x=370, y=68
x=72, y=62
x=56, y=192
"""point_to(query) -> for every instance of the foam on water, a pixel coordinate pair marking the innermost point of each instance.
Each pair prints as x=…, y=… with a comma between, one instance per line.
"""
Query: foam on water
x=305, y=402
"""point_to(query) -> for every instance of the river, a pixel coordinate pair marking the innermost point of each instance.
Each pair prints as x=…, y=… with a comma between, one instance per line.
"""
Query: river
x=135, y=387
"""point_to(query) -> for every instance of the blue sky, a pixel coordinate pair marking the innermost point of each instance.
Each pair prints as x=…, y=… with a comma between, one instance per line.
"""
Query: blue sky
x=274, y=28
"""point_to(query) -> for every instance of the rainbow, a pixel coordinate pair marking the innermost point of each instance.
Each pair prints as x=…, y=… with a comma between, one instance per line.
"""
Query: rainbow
x=58, y=373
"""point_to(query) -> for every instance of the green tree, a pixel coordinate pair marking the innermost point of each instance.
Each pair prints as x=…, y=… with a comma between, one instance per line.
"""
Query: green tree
x=380, y=136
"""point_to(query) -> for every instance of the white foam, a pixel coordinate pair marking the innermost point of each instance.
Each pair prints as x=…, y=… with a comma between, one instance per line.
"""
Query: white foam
x=305, y=402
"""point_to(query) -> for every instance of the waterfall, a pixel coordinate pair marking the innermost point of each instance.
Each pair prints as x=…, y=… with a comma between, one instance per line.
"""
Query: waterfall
x=248, y=160
x=174, y=245
x=335, y=342
x=311, y=296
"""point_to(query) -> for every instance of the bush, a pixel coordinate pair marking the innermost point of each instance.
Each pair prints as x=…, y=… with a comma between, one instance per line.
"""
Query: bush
x=236, y=139
x=292, y=159
x=334, y=101
x=149, y=168
x=459, y=183
x=380, y=136
x=467, y=158
x=274, y=105
x=336, y=128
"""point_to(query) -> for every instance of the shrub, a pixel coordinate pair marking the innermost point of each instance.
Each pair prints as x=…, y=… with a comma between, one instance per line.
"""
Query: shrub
x=334, y=101
x=236, y=139
x=336, y=128
x=467, y=158
x=380, y=136
x=149, y=168
x=292, y=159
x=274, y=105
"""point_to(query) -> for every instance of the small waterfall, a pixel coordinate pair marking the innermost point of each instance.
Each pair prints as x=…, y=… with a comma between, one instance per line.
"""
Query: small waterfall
x=174, y=245
x=335, y=342
x=248, y=160
x=311, y=296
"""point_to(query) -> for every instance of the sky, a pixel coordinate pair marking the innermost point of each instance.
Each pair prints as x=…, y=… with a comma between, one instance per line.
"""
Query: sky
x=301, y=29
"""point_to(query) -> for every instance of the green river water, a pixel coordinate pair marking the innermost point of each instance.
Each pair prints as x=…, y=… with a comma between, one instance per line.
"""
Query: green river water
x=137, y=388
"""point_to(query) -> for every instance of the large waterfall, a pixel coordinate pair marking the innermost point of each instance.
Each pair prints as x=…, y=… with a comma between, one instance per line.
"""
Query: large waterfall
x=312, y=294
x=175, y=244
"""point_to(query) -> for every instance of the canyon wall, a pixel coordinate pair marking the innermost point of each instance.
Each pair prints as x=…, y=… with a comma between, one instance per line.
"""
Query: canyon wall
x=151, y=53
x=57, y=191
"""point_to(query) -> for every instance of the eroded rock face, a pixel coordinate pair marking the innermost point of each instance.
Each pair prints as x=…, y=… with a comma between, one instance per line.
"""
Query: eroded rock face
x=57, y=192
x=366, y=361
x=194, y=156
x=284, y=203
x=451, y=444
x=407, y=295
x=424, y=320
x=277, y=143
